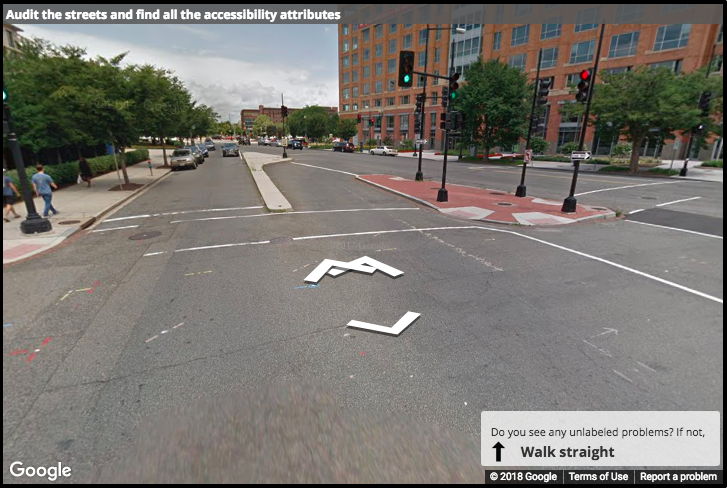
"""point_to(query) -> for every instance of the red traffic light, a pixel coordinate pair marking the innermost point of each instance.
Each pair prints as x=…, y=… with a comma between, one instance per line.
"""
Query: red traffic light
x=372, y=121
x=586, y=75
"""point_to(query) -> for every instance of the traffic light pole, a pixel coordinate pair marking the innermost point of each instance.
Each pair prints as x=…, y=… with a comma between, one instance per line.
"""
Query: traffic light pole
x=33, y=223
x=685, y=168
x=569, y=204
x=285, y=116
x=522, y=190
x=442, y=194
x=422, y=117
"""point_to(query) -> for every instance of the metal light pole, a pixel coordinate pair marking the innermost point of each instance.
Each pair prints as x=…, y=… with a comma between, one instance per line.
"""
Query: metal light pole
x=569, y=204
x=285, y=138
x=522, y=190
x=422, y=117
x=442, y=194
x=33, y=223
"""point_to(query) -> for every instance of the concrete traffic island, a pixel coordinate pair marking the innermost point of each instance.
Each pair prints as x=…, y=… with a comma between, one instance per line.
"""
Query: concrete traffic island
x=273, y=198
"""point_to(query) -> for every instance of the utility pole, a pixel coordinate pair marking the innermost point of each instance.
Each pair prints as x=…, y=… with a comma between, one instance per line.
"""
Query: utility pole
x=442, y=194
x=422, y=117
x=521, y=190
x=284, y=113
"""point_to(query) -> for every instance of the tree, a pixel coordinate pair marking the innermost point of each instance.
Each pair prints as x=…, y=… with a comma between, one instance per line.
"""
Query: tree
x=495, y=102
x=388, y=141
x=347, y=128
x=317, y=125
x=261, y=124
x=539, y=145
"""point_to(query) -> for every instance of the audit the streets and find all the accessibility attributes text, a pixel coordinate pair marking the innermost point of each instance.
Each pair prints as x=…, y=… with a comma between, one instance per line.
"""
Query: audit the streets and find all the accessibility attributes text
x=173, y=14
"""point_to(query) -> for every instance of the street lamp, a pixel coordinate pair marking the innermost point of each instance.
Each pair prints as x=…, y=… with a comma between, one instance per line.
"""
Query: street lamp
x=443, y=195
x=422, y=117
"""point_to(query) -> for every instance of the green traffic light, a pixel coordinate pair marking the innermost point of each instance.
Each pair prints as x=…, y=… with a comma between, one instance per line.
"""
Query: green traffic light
x=407, y=78
x=453, y=95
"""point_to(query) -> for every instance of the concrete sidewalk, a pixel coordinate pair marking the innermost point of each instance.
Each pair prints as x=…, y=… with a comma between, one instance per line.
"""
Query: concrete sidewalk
x=79, y=207
x=486, y=205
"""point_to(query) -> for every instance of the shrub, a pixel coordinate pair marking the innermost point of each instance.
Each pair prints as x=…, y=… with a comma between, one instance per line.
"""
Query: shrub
x=539, y=145
x=613, y=169
x=621, y=150
x=569, y=147
x=388, y=141
x=716, y=163
x=372, y=142
x=406, y=144
x=664, y=171
x=555, y=159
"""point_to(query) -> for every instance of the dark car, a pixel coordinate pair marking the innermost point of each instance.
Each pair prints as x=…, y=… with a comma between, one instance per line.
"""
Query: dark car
x=344, y=147
x=210, y=144
x=197, y=153
x=203, y=149
x=230, y=149
x=293, y=144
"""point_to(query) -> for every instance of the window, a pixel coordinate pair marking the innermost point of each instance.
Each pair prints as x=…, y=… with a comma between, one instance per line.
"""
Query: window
x=392, y=45
x=346, y=62
x=345, y=47
x=391, y=101
x=615, y=71
x=389, y=123
x=346, y=94
x=354, y=92
x=355, y=27
x=379, y=31
x=403, y=122
x=392, y=66
x=520, y=35
x=346, y=107
x=672, y=36
x=421, y=58
x=345, y=29
x=719, y=36
x=423, y=37
x=434, y=97
x=437, y=53
x=354, y=59
x=366, y=88
x=518, y=61
x=435, y=81
x=675, y=66
x=566, y=135
x=588, y=19
x=391, y=86
x=379, y=87
x=378, y=69
x=379, y=50
x=366, y=104
x=366, y=72
x=437, y=33
x=366, y=54
x=582, y=52
x=377, y=102
x=355, y=106
x=346, y=77
x=433, y=120
x=629, y=12
x=550, y=31
x=623, y=45
x=550, y=58
x=420, y=81
x=573, y=79
x=407, y=41
x=366, y=33
x=392, y=28
x=354, y=42
x=405, y=100
x=496, y=41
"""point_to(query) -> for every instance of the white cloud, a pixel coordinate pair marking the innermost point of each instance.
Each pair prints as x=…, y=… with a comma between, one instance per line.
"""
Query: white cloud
x=228, y=85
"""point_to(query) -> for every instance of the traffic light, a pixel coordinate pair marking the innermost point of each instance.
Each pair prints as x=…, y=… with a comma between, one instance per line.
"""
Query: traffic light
x=420, y=103
x=284, y=111
x=698, y=130
x=372, y=121
x=704, y=100
x=543, y=90
x=445, y=96
x=359, y=118
x=417, y=125
x=459, y=121
x=585, y=77
x=537, y=123
x=445, y=121
x=453, y=85
x=406, y=68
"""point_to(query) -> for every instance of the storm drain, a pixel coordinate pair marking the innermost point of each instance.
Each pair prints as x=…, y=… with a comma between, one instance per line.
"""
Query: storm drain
x=145, y=235
x=505, y=204
x=69, y=222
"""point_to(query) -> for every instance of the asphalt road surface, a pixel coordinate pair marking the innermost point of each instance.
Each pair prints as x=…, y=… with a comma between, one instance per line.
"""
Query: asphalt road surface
x=178, y=341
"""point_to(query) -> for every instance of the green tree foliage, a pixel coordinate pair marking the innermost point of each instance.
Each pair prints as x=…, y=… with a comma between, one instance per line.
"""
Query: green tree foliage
x=495, y=104
x=261, y=124
x=347, y=128
x=539, y=145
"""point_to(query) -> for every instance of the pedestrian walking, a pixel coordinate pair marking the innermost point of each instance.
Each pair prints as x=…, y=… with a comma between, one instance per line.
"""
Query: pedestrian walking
x=85, y=171
x=9, y=195
x=43, y=184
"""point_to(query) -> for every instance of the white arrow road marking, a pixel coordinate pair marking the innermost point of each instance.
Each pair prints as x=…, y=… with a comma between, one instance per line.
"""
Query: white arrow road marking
x=606, y=330
x=384, y=268
x=323, y=268
x=397, y=329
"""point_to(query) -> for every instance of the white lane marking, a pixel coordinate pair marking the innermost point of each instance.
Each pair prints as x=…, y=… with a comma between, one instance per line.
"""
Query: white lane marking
x=327, y=169
x=646, y=367
x=623, y=376
x=384, y=268
x=146, y=216
x=636, y=211
x=674, y=228
x=606, y=353
x=397, y=329
x=628, y=186
x=154, y=253
x=678, y=201
x=116, y=228
x=557, y=246
x=317, y=274
x=292, y=213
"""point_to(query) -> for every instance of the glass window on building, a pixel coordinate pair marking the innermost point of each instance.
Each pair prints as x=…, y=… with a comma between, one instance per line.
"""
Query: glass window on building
x=566, y=135
x=518, y=61
x=392, y=66
x=620, y=69
x=345, y=61
x=366, y=33
x=437, y=54
x=588, y=19
x=390, y=101
x=377, y=102
x=406, y=41
x=520, y=35
x=354, y=42
x=379, y=48
x=366, y=72
x=434, y=98
x=345, y=47
x=550, y=31
x=379, y=31
x=435, y=81
x=379, y=87
x=582, y=52
x=366, y=54
x=404, y=100
x=346, y=78
x=403, y=122
x=345, y=29
x=366, y=88
x=346, y=94
x=346, y=107
x=354, y=107
x=672, y=36
x=354, y=59
x=392, y=28
x=420, y=81
x=391, y=86
x=623, y=45
x=378, y=69
x=675, y=66
x=550, y=58
x=354, y=92
x=496, y=41
x=366, y=104
x=423, y=37
x=421, y=58
x=392, y=45
x=390, y=123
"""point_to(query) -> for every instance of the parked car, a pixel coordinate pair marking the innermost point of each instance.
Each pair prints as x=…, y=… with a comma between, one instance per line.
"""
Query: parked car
x=183, y=158
x=197, y=153
x=210, y=144
x=344, y=147
x=203, y=149
x=275, y=143
x=384, y=151
x=293, y=144
x=230, y=149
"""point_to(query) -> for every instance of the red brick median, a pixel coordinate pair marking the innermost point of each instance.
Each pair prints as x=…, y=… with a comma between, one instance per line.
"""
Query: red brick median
x=486, y=205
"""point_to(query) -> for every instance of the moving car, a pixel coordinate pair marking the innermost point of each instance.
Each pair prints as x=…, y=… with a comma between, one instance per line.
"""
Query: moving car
x=344, y=147
x=293, y=144
x=210, y=144
x=384, y=151
x=230, y=149
x=197, y=153
x=245, y=141
x=203, y=149
x=275, y=143
x=183, y=158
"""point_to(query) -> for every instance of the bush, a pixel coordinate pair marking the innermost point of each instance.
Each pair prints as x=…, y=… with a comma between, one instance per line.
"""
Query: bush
x=716, y=163
x=406, y=144
x=621, y=150
x=555, y=159
x=388, y=141
x=372, y=142
x=569, y=147
x=664, y=171
x=539, y=145
x=614, y=169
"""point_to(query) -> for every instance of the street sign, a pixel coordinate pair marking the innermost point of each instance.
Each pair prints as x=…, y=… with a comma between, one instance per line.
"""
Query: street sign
x=580, y=155
x=528, y=156
x=421, y=142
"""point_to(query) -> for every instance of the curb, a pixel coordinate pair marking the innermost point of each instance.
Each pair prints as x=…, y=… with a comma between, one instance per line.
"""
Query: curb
x=608, y=215
x=272, y=193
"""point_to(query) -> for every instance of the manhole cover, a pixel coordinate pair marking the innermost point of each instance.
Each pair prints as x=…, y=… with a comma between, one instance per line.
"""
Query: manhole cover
x=497, y=193
x=281, y=240
x=649, y=198
x=145, y=235
x=69, y=222
x=505, y=204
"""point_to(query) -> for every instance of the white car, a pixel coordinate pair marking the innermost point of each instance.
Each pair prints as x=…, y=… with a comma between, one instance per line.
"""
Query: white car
x=384, y=151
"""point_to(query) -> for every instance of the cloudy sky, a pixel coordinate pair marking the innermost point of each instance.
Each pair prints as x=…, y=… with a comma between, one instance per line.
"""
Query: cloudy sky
x=228, y=67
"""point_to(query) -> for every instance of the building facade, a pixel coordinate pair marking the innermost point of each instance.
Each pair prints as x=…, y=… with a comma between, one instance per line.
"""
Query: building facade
x=248, y=115
x=11, y=37
x=368, y=71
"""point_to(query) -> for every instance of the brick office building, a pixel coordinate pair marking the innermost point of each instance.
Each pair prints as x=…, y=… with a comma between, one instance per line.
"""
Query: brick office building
x=368, y=70
x=248, y=115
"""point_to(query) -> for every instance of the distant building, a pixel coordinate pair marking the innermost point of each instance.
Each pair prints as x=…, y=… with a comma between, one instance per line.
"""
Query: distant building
x=11, y=37
x=248, y=115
